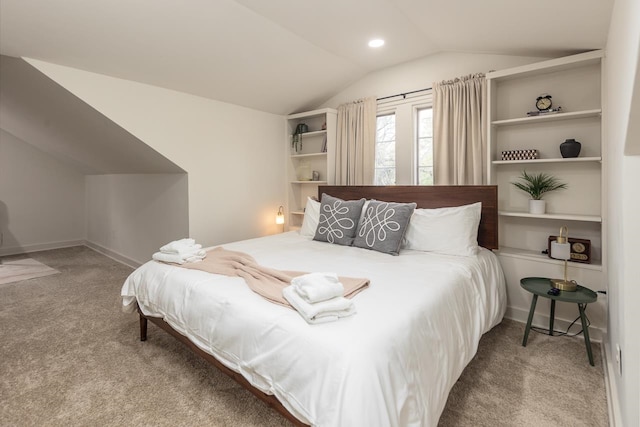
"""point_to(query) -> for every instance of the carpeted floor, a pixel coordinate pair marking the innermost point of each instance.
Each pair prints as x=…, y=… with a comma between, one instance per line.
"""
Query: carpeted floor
x=70, y=357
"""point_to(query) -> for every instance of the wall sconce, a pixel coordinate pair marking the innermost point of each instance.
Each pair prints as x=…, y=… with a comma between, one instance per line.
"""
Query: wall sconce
x=561, y=249
x=280, y=216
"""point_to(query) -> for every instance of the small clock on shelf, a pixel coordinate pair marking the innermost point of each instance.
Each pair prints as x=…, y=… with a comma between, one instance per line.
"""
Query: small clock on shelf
x=544, y=105
x=543, y=102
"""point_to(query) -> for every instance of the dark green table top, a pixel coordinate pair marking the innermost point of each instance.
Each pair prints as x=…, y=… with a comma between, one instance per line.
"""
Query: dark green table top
x=541, y=285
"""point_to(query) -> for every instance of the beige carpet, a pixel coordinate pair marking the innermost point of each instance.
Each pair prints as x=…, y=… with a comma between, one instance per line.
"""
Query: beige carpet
x=70, y=357
x=16, y=270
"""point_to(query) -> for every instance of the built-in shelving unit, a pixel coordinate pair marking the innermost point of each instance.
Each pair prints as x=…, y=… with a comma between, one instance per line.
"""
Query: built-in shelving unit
x=316, y=154
x=575, y=85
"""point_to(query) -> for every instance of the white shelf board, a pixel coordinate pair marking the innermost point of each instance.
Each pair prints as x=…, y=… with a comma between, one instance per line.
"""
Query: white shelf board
x=566, y=217
x=555, y=160
x=299, y=156
x=550, y=66
x=538, y=256
x=549, y=118
x=308, y=182
x=312, y=133
x=311, y=114
x=297, y=213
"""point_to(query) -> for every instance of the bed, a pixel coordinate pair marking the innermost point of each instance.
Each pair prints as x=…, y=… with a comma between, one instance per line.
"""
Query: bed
x=393, y=363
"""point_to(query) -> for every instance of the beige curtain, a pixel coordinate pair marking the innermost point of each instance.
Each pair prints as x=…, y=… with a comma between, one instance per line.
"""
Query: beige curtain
x=459, y=131
x=355, y=143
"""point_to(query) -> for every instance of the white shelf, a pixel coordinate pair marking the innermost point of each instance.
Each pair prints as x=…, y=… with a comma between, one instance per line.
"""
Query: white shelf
x=556, y=160
x=548, y=118
x=540, y=257
x=300, y=156
x=308, y=182
x=297, y=213
x=550, y=66
x=565, y=217
x=312, y=133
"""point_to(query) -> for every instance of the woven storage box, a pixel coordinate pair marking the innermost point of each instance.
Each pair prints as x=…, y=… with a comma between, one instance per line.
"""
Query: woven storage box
x=520, y=155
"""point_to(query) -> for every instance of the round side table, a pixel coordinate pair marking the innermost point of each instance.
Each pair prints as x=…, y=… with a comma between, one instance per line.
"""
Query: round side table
x=539, y=286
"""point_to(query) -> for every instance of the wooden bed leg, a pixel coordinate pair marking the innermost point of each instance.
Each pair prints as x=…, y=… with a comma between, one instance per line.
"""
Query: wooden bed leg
x=143, y=328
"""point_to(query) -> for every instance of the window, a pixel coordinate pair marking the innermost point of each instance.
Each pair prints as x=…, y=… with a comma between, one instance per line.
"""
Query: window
x=425, y=147
x=404, y=140
x=385, y=163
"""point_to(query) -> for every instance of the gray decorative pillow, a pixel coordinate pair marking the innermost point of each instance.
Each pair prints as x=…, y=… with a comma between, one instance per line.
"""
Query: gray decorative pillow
x=383, y=225
x=338, y=220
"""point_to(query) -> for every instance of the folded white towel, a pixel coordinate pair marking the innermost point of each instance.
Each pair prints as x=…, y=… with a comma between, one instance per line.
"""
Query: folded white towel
x=184, y=250
x=316, y=287
x=320, y=312
x=179, y=259
x=178, y=245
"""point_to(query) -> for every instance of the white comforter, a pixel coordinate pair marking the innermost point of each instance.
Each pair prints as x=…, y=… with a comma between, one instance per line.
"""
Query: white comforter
x=392, y=364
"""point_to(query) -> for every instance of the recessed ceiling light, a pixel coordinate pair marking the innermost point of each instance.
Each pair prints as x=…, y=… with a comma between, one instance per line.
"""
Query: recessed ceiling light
x=376, y=43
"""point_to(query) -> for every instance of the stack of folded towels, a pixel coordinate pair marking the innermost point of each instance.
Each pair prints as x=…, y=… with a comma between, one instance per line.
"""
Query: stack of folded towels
x=180, y=251
x=318, y=297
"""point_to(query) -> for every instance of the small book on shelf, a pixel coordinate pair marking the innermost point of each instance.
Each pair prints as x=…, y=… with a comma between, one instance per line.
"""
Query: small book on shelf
x=324, y=145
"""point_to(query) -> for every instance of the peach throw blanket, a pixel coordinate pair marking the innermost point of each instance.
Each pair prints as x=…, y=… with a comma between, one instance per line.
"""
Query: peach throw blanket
x=267, y=282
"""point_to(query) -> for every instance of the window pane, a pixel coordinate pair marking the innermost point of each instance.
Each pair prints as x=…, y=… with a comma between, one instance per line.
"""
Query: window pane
x=385, y=163
x=425, y=146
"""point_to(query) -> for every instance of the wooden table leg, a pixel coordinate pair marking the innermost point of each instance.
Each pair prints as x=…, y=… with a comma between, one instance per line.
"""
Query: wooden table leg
x=528, y=328
x=585, y=331
x=553, y=316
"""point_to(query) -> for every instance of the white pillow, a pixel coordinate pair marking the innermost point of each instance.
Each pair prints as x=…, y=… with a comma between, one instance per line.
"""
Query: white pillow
x=311, y=218
x=451, y=231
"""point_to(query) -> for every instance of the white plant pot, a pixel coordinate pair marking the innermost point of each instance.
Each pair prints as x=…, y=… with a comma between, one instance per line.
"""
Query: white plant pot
x=537, y=207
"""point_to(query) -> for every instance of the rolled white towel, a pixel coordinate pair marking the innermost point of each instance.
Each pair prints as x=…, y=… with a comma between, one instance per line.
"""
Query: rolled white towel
x=178, y=245
x=185, y=250
x=317, y=287
x=320, y=312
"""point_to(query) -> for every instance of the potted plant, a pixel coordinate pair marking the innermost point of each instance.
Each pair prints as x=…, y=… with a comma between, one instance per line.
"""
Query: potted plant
x=536, y=185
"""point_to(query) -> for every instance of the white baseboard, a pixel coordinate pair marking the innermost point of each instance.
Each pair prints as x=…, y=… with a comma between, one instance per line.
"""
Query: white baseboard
x=610, y=368
x=123, y=259
x=18, y=250
x=541, y=320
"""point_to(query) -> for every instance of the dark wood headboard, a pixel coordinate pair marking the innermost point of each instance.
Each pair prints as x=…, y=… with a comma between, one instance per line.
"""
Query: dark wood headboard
x=429, y=197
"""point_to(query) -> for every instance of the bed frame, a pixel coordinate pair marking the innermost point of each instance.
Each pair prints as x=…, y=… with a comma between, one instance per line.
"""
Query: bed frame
x=424, y=196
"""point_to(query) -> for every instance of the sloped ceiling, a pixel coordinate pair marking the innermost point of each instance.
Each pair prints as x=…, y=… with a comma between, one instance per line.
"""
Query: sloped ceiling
x=38, y=111
x=283, y=56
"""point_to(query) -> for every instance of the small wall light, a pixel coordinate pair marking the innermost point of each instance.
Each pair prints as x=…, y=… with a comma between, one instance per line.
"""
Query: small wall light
x=280, y=215
x=561, y=249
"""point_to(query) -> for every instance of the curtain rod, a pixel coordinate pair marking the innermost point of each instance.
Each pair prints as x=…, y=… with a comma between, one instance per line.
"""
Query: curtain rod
x=404, y=95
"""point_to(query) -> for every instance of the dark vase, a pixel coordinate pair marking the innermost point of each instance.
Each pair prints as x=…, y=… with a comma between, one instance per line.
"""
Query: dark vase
x=570, y=148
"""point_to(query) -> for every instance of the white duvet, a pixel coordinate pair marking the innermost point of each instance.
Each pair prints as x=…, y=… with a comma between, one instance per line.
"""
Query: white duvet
x=392, y=364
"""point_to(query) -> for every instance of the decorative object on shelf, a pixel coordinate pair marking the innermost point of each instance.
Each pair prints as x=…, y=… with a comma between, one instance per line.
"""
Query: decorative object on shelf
x=544, y=106
x=324, y=126
x=520, y=154
x=324, y=145
x=543, y=102
x=580, y=249
x=570, y=148
x=561, y=249
x=545, y=112
x=315, y=176
x=304, y=172
x=296, y=139
x=536, y=185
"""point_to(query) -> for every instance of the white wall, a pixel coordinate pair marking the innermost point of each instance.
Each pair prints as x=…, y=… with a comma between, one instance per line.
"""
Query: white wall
x=41, y=199
x=131, y=216
x=623, y=231
x=421, y=73
x=234, y=155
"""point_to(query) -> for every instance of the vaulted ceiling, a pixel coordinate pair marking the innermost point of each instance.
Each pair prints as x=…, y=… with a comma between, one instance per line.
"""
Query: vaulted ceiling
x=282, y=56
